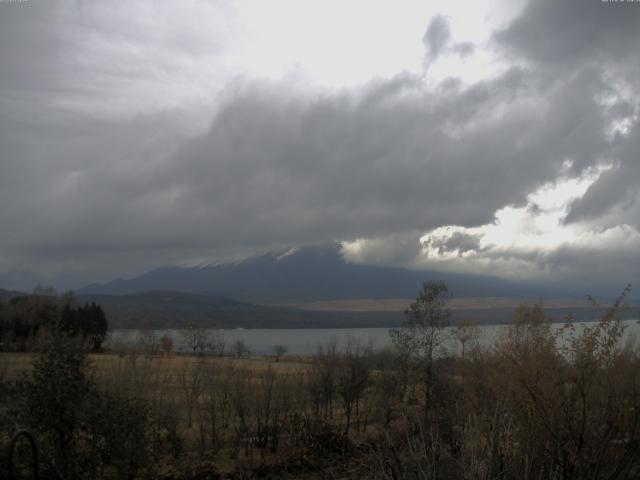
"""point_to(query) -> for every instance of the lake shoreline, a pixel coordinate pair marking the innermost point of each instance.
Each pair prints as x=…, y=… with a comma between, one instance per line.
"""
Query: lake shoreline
x=302, y=341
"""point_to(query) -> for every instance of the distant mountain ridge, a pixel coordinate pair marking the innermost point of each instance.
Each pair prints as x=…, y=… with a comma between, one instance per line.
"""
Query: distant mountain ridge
x=171, y=309
x=7, y=294
x=306, y=274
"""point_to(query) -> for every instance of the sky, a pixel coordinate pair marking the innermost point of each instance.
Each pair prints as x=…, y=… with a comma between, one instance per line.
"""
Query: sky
x=491, y=137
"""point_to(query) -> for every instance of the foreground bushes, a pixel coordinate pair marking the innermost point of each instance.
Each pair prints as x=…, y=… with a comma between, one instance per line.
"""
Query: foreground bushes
x=540, y=403
x=82, y=431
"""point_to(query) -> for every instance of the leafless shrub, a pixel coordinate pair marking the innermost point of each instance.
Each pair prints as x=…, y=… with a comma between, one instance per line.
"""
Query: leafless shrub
x=271, y=411
x=466, y=333
x=279, y=351
x=217, y=394
x=322, y=380
x=190, y=382
x=353, y=378
x=166, y=344
x=241, y=403
x=196, y=338
x=240, y=348
x=148, y=343
x=217, y=343
x=575, y=405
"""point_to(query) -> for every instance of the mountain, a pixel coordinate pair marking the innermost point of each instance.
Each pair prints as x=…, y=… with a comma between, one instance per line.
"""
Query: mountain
x=171, y=309
x=5, y=295
x=308, y=274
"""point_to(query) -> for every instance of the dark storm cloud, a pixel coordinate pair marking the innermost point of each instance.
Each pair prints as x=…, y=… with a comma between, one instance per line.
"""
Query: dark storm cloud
x=580, y=59
x=84, y=189
x=272, y=169
x=568, y=37
x=617, y=188
x=574, y=32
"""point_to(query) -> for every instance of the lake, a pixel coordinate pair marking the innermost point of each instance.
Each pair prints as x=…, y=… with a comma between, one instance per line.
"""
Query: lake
x=306, y=341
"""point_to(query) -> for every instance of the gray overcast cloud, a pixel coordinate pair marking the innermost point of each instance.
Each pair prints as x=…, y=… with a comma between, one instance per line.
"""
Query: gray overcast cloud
x=137, y=134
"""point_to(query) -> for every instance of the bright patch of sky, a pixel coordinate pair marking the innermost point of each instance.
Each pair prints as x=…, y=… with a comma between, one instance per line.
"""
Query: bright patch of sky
x=520, y=238
x=536, y=225
x=523, y=242
x=340, y=44
x=620, y=91
x=150, y=64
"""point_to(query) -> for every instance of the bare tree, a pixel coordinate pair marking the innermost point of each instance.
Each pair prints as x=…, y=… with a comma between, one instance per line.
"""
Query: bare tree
x=421, y=333
x=166, y=344
x=279, y=350
x=148, y=343
x=241, y=403
x=190, y=380
x=353, y=378
x=271, y=409
x=466, y=332
x=389, y=383
x=321, y=380
x=196, y=338
x=217, y=342
x=217, y=388
x=240, y=348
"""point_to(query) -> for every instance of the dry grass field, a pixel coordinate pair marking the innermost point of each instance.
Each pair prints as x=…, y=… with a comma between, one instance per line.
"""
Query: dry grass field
x=107, y=366
x=201, y=409
x=509, y=411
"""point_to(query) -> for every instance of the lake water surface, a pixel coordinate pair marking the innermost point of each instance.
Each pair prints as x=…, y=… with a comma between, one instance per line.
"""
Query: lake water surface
x=306, y=341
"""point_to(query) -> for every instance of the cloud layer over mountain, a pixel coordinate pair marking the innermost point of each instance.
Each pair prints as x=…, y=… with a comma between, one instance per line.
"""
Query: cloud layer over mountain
x=132, y=136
